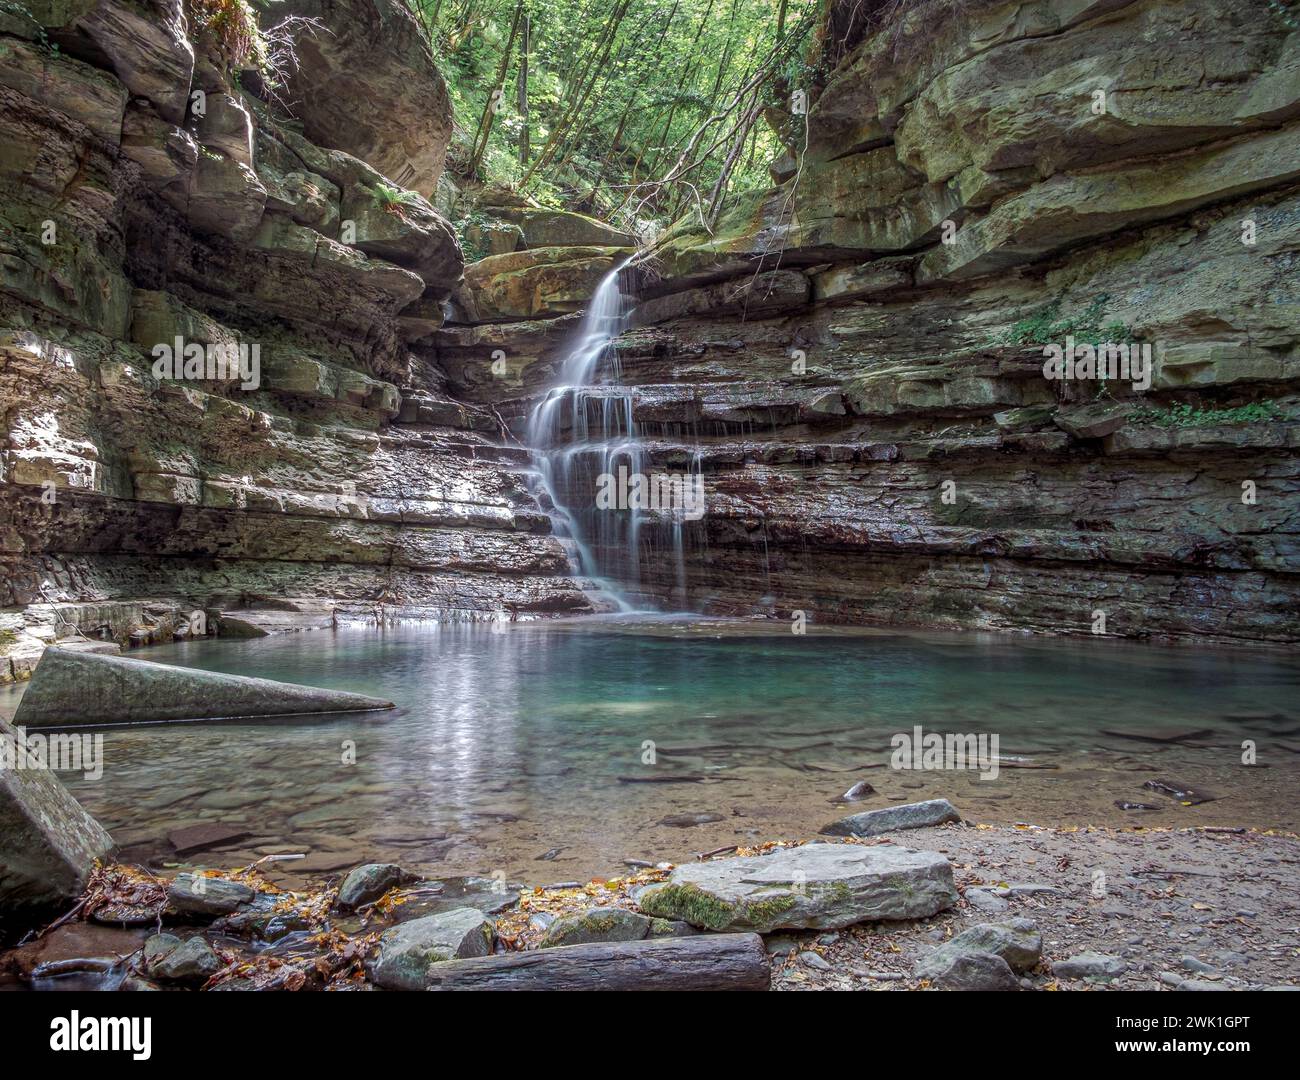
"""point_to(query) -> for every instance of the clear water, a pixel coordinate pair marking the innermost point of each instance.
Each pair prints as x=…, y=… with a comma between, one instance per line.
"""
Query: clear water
x=516, y=740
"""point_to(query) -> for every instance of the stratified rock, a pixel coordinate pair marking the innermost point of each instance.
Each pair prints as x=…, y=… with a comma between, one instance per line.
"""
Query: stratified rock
x=540, y=281
x=759, y=294
x=79, y=688
x=409, y=950
x=1094, y=421
x=91, y=96
x=541, y=228
x=893, y=818
x=143, y=40
x=169, y=959
x=367, y=84
x=820, y=886
x=367, y=883
x=1090, y=965
x=48, y=842
x=1017, y=942
x=197, y=894
x=596, y=924
x=194, y=838
x=409, y=233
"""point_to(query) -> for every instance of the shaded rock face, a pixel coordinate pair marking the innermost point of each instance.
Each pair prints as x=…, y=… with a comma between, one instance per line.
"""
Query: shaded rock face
x=369, y=86
x=855, y=361
x=144, y=502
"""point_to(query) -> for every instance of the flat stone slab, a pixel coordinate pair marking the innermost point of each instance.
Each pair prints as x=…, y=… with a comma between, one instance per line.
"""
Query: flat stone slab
x=817, y=886
x=48, y=841
x=892, y=818
x=78, y=689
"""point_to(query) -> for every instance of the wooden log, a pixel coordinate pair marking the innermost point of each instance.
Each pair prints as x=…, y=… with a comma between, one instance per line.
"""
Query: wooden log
x=705, y=962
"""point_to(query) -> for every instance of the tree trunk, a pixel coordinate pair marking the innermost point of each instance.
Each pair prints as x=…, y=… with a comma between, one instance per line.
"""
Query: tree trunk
x=489, y=112
x=706, y=962
x=522, y=97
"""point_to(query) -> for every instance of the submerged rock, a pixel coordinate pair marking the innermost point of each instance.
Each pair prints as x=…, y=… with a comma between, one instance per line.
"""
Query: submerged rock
x=85, y=688
x=48, y=842
x=821, y=886
x=407, y=951
x=891, y=818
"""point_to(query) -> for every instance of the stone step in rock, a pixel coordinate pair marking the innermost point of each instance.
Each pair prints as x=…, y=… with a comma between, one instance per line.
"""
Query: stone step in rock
x=77, y=689
x=707, y=962
x=817, y=886
x=48, y=841
x=892, y=818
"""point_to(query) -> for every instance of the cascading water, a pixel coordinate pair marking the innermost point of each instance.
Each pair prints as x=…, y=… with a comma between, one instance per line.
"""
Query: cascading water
x=580, y=430
x=584, y=428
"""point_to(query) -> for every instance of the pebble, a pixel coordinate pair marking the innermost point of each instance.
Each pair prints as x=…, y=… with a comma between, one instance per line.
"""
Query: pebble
x=985, y=900
x=814, y=961
x=1196, y=966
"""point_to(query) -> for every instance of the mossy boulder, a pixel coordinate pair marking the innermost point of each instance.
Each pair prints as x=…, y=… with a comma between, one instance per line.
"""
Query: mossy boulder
x=596, y=924
x=818, y=886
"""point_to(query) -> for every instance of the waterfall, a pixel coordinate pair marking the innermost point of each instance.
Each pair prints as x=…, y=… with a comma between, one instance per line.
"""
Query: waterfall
x=582, y=429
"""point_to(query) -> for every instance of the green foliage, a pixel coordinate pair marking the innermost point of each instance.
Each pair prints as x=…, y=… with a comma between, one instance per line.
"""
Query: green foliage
x=7, y=638
x=615, y=90
x=230, y=28
x=1047, y=325
x=23, y=13
x=1189, y=416
x=391, y=198
x=469, y=226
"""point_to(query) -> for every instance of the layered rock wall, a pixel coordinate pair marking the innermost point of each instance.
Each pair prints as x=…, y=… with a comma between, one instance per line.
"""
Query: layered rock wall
x=147, y=198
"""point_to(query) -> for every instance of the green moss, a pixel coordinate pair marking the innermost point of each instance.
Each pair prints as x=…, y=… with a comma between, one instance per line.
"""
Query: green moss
x=691, y=903
x=1185, y=416
x=837, y=891
x=765, y=912
x=1047, y=325
x=902, y=885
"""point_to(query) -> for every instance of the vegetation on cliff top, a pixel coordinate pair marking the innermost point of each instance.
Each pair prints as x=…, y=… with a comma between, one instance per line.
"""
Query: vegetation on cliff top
x=631, y=110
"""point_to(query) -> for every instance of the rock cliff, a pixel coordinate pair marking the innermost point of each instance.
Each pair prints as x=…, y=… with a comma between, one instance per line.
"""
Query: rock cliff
x=151, y=203
x=854, y=358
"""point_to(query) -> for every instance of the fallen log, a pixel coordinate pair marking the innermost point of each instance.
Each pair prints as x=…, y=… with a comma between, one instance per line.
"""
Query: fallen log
x=706, y=962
